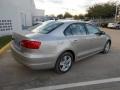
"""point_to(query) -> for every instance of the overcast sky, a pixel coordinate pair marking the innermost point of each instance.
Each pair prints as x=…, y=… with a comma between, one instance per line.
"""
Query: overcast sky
x=60, y=6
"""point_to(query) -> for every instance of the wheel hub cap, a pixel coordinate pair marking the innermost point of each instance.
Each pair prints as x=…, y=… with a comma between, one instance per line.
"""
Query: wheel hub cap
x=107, y=47
x=65, y=63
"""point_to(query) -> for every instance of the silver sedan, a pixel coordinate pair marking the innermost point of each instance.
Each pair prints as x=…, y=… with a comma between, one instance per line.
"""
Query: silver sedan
x=58, y=44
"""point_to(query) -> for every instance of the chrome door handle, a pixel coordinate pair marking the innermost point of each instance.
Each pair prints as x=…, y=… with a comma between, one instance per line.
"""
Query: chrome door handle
x=75, y=40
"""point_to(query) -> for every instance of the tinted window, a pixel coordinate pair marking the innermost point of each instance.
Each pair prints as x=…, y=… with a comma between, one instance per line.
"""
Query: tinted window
x=47, y=27
x=68, y=31
x=91, y=29
x=75, y=29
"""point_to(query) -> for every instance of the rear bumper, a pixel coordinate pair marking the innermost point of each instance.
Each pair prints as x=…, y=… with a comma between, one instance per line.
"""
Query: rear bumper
x=34, y=63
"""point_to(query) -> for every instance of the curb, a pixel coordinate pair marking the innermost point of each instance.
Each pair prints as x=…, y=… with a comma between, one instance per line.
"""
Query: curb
x=5, y=48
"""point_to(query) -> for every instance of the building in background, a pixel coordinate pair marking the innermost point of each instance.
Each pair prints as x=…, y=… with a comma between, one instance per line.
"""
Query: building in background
x=16, y=15
x=38, y=16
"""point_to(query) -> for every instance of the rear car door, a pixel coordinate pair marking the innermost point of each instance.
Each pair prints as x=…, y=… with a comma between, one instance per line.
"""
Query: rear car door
x=97, y=41
x=77, y=33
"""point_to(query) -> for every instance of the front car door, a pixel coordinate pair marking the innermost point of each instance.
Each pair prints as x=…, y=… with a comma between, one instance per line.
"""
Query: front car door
x=97, y=41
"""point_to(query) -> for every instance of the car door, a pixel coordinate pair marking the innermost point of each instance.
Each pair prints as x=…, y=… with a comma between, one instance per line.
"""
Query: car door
x=77, y=33
x=97, y=40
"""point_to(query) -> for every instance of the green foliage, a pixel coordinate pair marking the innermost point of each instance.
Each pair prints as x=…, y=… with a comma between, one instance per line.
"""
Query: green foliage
x=106, y=10
x=67, y=15
x=4, y=40
x=77, y=17
x=81, y=16
x=60, y=16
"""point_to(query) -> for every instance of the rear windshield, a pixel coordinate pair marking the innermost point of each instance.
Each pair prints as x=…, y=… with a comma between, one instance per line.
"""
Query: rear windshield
x=47, y=27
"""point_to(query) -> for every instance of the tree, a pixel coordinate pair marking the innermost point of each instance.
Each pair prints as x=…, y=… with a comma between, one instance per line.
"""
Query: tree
x=106, y=10
x=76, y=17
x=67, y=15
x=81, y=16
x=60, y=16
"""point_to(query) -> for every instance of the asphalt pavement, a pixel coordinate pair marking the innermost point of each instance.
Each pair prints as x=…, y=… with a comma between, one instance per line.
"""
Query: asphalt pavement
x=14, y=76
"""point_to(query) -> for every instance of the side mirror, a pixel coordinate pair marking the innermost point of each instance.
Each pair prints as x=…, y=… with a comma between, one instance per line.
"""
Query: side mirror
x=100, y=33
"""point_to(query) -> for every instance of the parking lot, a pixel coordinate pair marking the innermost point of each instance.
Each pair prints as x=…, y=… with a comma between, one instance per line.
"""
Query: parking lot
x=14, y=76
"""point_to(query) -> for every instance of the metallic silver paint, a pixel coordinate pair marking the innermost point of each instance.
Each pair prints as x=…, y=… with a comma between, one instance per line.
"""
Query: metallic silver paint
x=54, y=44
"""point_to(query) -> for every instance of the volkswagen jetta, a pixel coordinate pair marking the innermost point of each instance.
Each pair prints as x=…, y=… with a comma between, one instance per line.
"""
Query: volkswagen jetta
x=58, y=44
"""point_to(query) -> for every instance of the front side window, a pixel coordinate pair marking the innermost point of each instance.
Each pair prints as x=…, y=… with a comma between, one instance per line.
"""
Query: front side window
x=75, y=29
x=91, y=29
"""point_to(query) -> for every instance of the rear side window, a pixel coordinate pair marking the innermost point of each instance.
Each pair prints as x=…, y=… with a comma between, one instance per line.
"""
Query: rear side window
x=75, y=29
x=47, y=27
x=92, y=29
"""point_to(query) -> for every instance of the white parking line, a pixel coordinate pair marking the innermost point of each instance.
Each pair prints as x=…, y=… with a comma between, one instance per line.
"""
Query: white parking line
x=71, y=85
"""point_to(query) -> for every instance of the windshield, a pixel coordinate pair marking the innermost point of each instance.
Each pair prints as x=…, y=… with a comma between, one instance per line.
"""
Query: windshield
x=47, y=27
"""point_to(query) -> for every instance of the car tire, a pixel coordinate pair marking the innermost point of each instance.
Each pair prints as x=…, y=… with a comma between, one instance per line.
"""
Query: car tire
x=64, y=63
x=107, y=47
x=117, y=27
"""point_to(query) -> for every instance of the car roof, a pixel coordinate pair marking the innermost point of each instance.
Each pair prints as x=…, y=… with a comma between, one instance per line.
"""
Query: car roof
x=71, y=21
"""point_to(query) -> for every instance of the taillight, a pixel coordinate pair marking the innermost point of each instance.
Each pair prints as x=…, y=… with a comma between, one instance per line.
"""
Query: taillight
x=30, y=44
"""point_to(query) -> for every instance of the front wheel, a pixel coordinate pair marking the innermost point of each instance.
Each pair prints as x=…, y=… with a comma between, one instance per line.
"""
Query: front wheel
x=64, y=62
x=107, y=47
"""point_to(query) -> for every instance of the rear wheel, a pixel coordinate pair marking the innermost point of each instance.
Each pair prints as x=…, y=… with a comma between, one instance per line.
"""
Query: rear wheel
x=107, y=47
x=117, y=27
x=64, y=62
